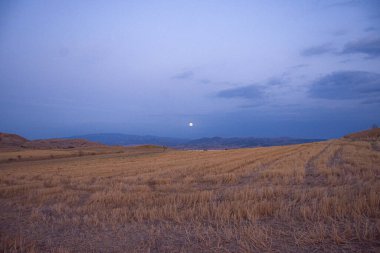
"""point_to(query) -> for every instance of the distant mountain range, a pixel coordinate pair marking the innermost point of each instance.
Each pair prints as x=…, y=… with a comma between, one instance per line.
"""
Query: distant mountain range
x=221, y=143
x=202, y=143
x=131, y=140
x=14, y=141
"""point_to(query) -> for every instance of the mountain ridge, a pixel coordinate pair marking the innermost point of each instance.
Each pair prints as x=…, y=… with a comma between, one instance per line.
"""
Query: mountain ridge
x=9, y=141
x=215, y=142
x=130, y=139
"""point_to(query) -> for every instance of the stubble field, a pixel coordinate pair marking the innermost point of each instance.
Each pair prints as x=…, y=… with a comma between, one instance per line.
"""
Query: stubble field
x=316, y=197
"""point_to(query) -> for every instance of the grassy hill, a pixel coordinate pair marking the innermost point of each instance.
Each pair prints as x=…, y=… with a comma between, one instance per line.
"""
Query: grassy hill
x=16, y=142
x=366, y=135
x=11, y=141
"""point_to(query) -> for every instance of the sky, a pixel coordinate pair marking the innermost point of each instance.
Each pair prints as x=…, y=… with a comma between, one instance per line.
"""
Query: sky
x=293, y=68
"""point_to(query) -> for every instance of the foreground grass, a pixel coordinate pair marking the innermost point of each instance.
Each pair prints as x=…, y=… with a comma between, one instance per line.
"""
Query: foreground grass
x=310, y=197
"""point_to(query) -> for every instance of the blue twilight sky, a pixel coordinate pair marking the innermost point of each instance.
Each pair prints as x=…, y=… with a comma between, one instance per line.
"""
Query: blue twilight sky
x=233, y=68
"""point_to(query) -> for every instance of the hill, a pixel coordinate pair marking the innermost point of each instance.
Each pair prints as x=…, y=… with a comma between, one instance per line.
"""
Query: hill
x=202, y=143
x=14, y=141
x=11, y=140
x=60, y=144
x=366, y=135
x=131, y=140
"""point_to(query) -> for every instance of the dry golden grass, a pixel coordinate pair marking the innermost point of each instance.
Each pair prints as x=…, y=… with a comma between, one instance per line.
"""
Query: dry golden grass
x=310, y=197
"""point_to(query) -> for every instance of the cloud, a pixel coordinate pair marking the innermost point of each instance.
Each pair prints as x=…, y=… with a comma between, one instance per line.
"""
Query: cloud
x=318, y=50
x=340, y=32
x=366, y=4
x=246, y=92
x=186, y=75
x=277, y=81
x=205, y=81
x=347, y=85
x=370, y=29
x=368, y=46
x=256, y=91
x=371, y=101
x=343, y=3
x=299, y=66
x=190, y=75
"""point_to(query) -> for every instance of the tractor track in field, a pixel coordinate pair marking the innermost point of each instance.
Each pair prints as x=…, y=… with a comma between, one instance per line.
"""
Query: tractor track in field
x=312, y=176
x=248, y=179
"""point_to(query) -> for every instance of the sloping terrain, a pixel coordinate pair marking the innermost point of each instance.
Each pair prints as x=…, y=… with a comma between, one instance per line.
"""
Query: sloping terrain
x=26, y=154
x=367, y=135
x=60, y=143
x=11, y=141
x=16, y=142
x=315, y=197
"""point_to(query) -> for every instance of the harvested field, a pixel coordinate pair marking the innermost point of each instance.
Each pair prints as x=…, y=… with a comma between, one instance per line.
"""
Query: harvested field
x=316, y=197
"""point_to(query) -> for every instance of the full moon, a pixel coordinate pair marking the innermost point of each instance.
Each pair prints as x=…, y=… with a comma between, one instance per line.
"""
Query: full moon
x=191, y=124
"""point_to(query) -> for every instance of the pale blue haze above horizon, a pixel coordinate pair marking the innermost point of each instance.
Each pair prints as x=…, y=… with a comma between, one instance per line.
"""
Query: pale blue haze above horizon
x=307, y=69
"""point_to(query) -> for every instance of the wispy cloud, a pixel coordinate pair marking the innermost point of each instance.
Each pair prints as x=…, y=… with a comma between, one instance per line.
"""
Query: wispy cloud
x=246, y=92
x=205, y=81
x=370, y=29
x=340, y=32
x=299, y=66
x=354, y=3
x=372, y=101
x=318, y=50
x=186, y=75
x=347, y=85
x=342, y=3
x=367, y=46
x=253, y=104
x=277, y=81
x=191, y=76
x=256, y=90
